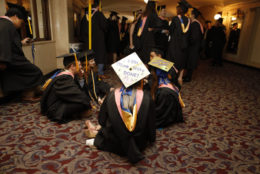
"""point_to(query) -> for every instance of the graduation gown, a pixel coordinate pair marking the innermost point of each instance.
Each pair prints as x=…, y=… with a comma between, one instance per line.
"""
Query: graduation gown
x=99, y=28
x=146, y=41
x=63, y=100
x=115, y=137
x=218, y=43
x=167, y=107
x=161, y=39
x=20, y=74
x=195, y=45
x=179, y=42
x=113, y=37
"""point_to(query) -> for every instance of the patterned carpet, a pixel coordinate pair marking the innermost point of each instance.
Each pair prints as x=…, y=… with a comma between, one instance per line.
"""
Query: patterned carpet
x=221, y=133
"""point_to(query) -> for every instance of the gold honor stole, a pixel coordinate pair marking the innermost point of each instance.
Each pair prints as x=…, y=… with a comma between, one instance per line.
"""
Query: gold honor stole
x=129, y=118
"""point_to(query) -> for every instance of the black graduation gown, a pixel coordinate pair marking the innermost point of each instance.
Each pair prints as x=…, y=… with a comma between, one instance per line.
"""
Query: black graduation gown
x=218, y=43
x=115, y=137
x=99, y=28
x=63, y=100
x=179, y=42
x=233, y=41
x=146, y=41
x=20, y=73
x=113, y=37
x=195, y=45
x=161, y=39
x=167, y=107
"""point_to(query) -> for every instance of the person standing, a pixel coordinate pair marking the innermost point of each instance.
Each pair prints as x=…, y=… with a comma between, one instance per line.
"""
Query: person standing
x=99, y=28
x=113, y=36
x=195, y=44
x=17, y=73
x=218, y=42
x=179, y=42
x=145, y=28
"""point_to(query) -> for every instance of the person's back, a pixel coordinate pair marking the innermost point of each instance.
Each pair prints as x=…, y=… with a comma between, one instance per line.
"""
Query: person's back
x=17, y=73
x=115, y=137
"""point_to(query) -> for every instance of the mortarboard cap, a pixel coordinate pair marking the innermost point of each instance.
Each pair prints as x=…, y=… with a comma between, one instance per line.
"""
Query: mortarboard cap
x=163, y=7
x=184, y=5
x=162, y=64
x=68, y=58
x=124, y=18
x=90, y=54
x=21, y=12
x=130, y=70
x=113, y=13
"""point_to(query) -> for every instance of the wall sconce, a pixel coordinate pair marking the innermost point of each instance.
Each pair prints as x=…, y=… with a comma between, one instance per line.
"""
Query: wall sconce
x=233, y=18
x=146, y=1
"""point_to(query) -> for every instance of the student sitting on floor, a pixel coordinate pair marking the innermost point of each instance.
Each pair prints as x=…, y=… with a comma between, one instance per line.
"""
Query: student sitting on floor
x=165, y=91
x=63, y=101
x=127, y=120
x=94, y=87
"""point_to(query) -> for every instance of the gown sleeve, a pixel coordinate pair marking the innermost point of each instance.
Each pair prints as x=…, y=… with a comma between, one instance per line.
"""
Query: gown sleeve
x=6, y=35
x=67, y=90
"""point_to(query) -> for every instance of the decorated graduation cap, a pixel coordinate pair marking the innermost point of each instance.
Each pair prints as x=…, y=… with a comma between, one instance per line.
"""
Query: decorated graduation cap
x=130, y=70
x=18, y=10
x=184, y=5
x=161, y=64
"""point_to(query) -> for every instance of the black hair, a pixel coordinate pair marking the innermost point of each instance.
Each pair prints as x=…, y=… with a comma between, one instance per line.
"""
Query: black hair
x=19, y=12
x=196, y=12
x=157, y=51
x=150, y=8
x=220, y=20
x=208, y=21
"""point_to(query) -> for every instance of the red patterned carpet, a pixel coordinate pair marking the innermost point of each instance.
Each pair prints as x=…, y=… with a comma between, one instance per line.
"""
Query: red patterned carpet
x=221, y=133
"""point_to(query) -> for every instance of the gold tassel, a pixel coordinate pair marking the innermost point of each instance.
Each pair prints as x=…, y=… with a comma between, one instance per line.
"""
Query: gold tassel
x=46, y=84
x=181, y=101
x=76, y=62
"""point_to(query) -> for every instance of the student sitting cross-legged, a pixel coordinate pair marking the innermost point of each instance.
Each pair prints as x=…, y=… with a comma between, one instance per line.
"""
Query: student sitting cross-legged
x=127, y=120
x=63, y=100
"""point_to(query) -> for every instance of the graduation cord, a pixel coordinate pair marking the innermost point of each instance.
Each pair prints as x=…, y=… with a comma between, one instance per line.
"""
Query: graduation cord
x=94, y=87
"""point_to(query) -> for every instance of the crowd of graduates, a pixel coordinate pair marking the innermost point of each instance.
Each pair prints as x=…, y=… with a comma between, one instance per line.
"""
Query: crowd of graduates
x=128, y=116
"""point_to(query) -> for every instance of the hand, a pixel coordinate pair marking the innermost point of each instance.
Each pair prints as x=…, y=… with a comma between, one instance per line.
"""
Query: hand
x=2, y=66
x=112, y=89
x=26, y=40
x=150, y=29
x=165, y=31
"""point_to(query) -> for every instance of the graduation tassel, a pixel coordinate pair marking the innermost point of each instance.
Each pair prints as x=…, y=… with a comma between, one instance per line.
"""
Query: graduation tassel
x=90, y=24
x=29, y=23
x=100, y=6
x=181, y=101
x=76, y=62
x=142, y=84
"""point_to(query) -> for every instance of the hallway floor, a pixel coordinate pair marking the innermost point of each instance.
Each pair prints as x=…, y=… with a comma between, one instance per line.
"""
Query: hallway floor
x=221, y=133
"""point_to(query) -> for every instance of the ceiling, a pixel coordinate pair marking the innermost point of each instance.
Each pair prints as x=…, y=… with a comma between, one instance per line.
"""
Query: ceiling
x=126, y=7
